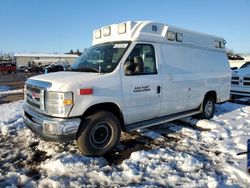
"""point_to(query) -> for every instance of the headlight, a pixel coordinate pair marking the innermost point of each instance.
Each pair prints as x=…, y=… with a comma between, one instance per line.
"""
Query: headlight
x=58, y=103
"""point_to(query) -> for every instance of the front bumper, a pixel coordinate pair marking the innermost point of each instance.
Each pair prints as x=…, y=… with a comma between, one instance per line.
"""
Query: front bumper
x=243, y=91
x=50, y=128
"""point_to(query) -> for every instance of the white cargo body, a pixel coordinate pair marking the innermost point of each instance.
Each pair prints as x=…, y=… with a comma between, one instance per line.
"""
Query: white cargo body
x=136, y=74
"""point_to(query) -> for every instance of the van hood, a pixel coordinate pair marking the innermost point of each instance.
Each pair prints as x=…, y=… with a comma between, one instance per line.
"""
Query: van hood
x=242, y=72
x=60, y=79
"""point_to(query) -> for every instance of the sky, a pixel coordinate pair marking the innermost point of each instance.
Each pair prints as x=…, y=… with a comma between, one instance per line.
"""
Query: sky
x=57, y=26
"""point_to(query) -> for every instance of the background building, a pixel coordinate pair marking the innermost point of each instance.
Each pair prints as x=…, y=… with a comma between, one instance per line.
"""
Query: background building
x=26, y=59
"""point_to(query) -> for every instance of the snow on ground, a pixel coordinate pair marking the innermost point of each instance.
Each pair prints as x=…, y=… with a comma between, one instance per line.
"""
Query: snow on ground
x=185, y=153
x=11, y=92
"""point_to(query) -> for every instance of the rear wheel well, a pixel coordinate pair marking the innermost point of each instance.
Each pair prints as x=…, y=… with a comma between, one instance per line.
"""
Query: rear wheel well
x=211, y=94
x=110, y=107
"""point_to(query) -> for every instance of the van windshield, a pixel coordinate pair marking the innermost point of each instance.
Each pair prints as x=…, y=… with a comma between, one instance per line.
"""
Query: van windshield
x=245, y=65
x=102, y=58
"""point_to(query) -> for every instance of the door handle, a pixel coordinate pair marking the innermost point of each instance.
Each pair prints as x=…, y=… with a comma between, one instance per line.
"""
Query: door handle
x=158, y=89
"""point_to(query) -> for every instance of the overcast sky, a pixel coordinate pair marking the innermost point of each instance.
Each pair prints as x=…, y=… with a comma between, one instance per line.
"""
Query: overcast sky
x=49, y=26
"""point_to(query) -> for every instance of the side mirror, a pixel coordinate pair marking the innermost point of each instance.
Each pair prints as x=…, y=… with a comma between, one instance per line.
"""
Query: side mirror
x=234, y=68
x=129, y=68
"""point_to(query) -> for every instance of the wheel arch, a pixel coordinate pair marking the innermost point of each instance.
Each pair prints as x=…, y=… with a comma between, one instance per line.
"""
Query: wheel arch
x=107, y=106
x=211, y=93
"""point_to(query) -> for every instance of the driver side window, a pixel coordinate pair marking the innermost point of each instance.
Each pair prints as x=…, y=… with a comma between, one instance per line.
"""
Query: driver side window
x=141, y=60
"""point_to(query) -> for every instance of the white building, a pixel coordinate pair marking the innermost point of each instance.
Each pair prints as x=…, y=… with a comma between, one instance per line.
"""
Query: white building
x=25, y=59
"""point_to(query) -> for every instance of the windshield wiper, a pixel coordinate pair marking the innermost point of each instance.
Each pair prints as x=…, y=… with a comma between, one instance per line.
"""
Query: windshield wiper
x=86, y=69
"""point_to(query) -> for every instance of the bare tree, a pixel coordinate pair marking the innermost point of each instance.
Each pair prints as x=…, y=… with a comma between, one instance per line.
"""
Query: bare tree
x=230, y=52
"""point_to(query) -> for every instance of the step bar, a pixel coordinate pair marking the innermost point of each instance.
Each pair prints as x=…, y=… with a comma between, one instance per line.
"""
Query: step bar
x=161, y=120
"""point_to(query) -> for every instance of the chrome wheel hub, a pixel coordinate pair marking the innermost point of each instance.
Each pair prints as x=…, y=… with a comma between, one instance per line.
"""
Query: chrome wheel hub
x=209, y=107
x=100, y=135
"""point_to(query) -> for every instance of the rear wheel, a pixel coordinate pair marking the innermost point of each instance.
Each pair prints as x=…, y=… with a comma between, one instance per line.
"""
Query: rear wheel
x=208, y=106
x=98, y=133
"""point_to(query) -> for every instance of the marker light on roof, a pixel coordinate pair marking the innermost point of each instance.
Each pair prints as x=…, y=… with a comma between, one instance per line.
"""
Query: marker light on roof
x=179, y=37
x=222, y=44
x=121, y=28
x=217, y=44
x=171, y=35
x=98, y=33
x=106, y=31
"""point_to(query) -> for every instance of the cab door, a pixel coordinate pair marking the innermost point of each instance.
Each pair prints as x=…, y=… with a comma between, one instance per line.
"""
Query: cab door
x=141, y=84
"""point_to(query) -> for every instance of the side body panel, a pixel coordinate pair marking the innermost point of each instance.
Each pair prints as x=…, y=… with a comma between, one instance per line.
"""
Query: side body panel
x=106, y=88
x=189, y=73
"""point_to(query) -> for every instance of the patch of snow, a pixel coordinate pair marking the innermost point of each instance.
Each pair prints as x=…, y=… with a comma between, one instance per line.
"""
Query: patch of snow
x=11, y=92
x=205, y=124
x=151, y=134
x=68, y=164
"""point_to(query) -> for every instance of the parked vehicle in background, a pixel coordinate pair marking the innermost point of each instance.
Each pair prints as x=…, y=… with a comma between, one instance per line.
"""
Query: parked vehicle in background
x=235, y=57
x=34, y=68
x=22, y=68
x=57, y=67
x=53, y=68
x=240, y=81
x=136, y=75
x=8, y=67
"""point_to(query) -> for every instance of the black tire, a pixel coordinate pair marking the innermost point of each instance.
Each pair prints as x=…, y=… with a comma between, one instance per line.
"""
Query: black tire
x=208, y=106
x=98, y=133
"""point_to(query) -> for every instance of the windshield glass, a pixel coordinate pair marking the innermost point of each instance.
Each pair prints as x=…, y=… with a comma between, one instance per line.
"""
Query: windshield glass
x=102, y=58
x=246, y=65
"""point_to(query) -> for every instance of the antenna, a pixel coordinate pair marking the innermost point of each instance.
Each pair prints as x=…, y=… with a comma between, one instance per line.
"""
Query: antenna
x=100, y=68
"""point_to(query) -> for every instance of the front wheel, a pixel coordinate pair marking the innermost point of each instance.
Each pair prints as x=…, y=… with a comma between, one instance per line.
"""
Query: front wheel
x=208, y=106
x=98, y=133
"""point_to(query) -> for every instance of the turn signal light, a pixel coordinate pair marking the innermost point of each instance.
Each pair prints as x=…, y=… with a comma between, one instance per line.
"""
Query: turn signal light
x=67, y=102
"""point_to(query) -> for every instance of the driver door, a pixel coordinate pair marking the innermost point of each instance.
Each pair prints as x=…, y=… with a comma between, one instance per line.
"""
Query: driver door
x=141, y=84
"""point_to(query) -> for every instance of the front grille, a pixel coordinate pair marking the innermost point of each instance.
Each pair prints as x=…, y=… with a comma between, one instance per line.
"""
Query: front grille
x=33, y=88
x=29, y=101
x=235, y=78
x=246, y=83
x=235, y=82
x=247, y=78
x=33, y=96
x=241, y=81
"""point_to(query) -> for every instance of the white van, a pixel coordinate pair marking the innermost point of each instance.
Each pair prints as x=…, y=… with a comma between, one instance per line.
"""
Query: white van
x=136, y=75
